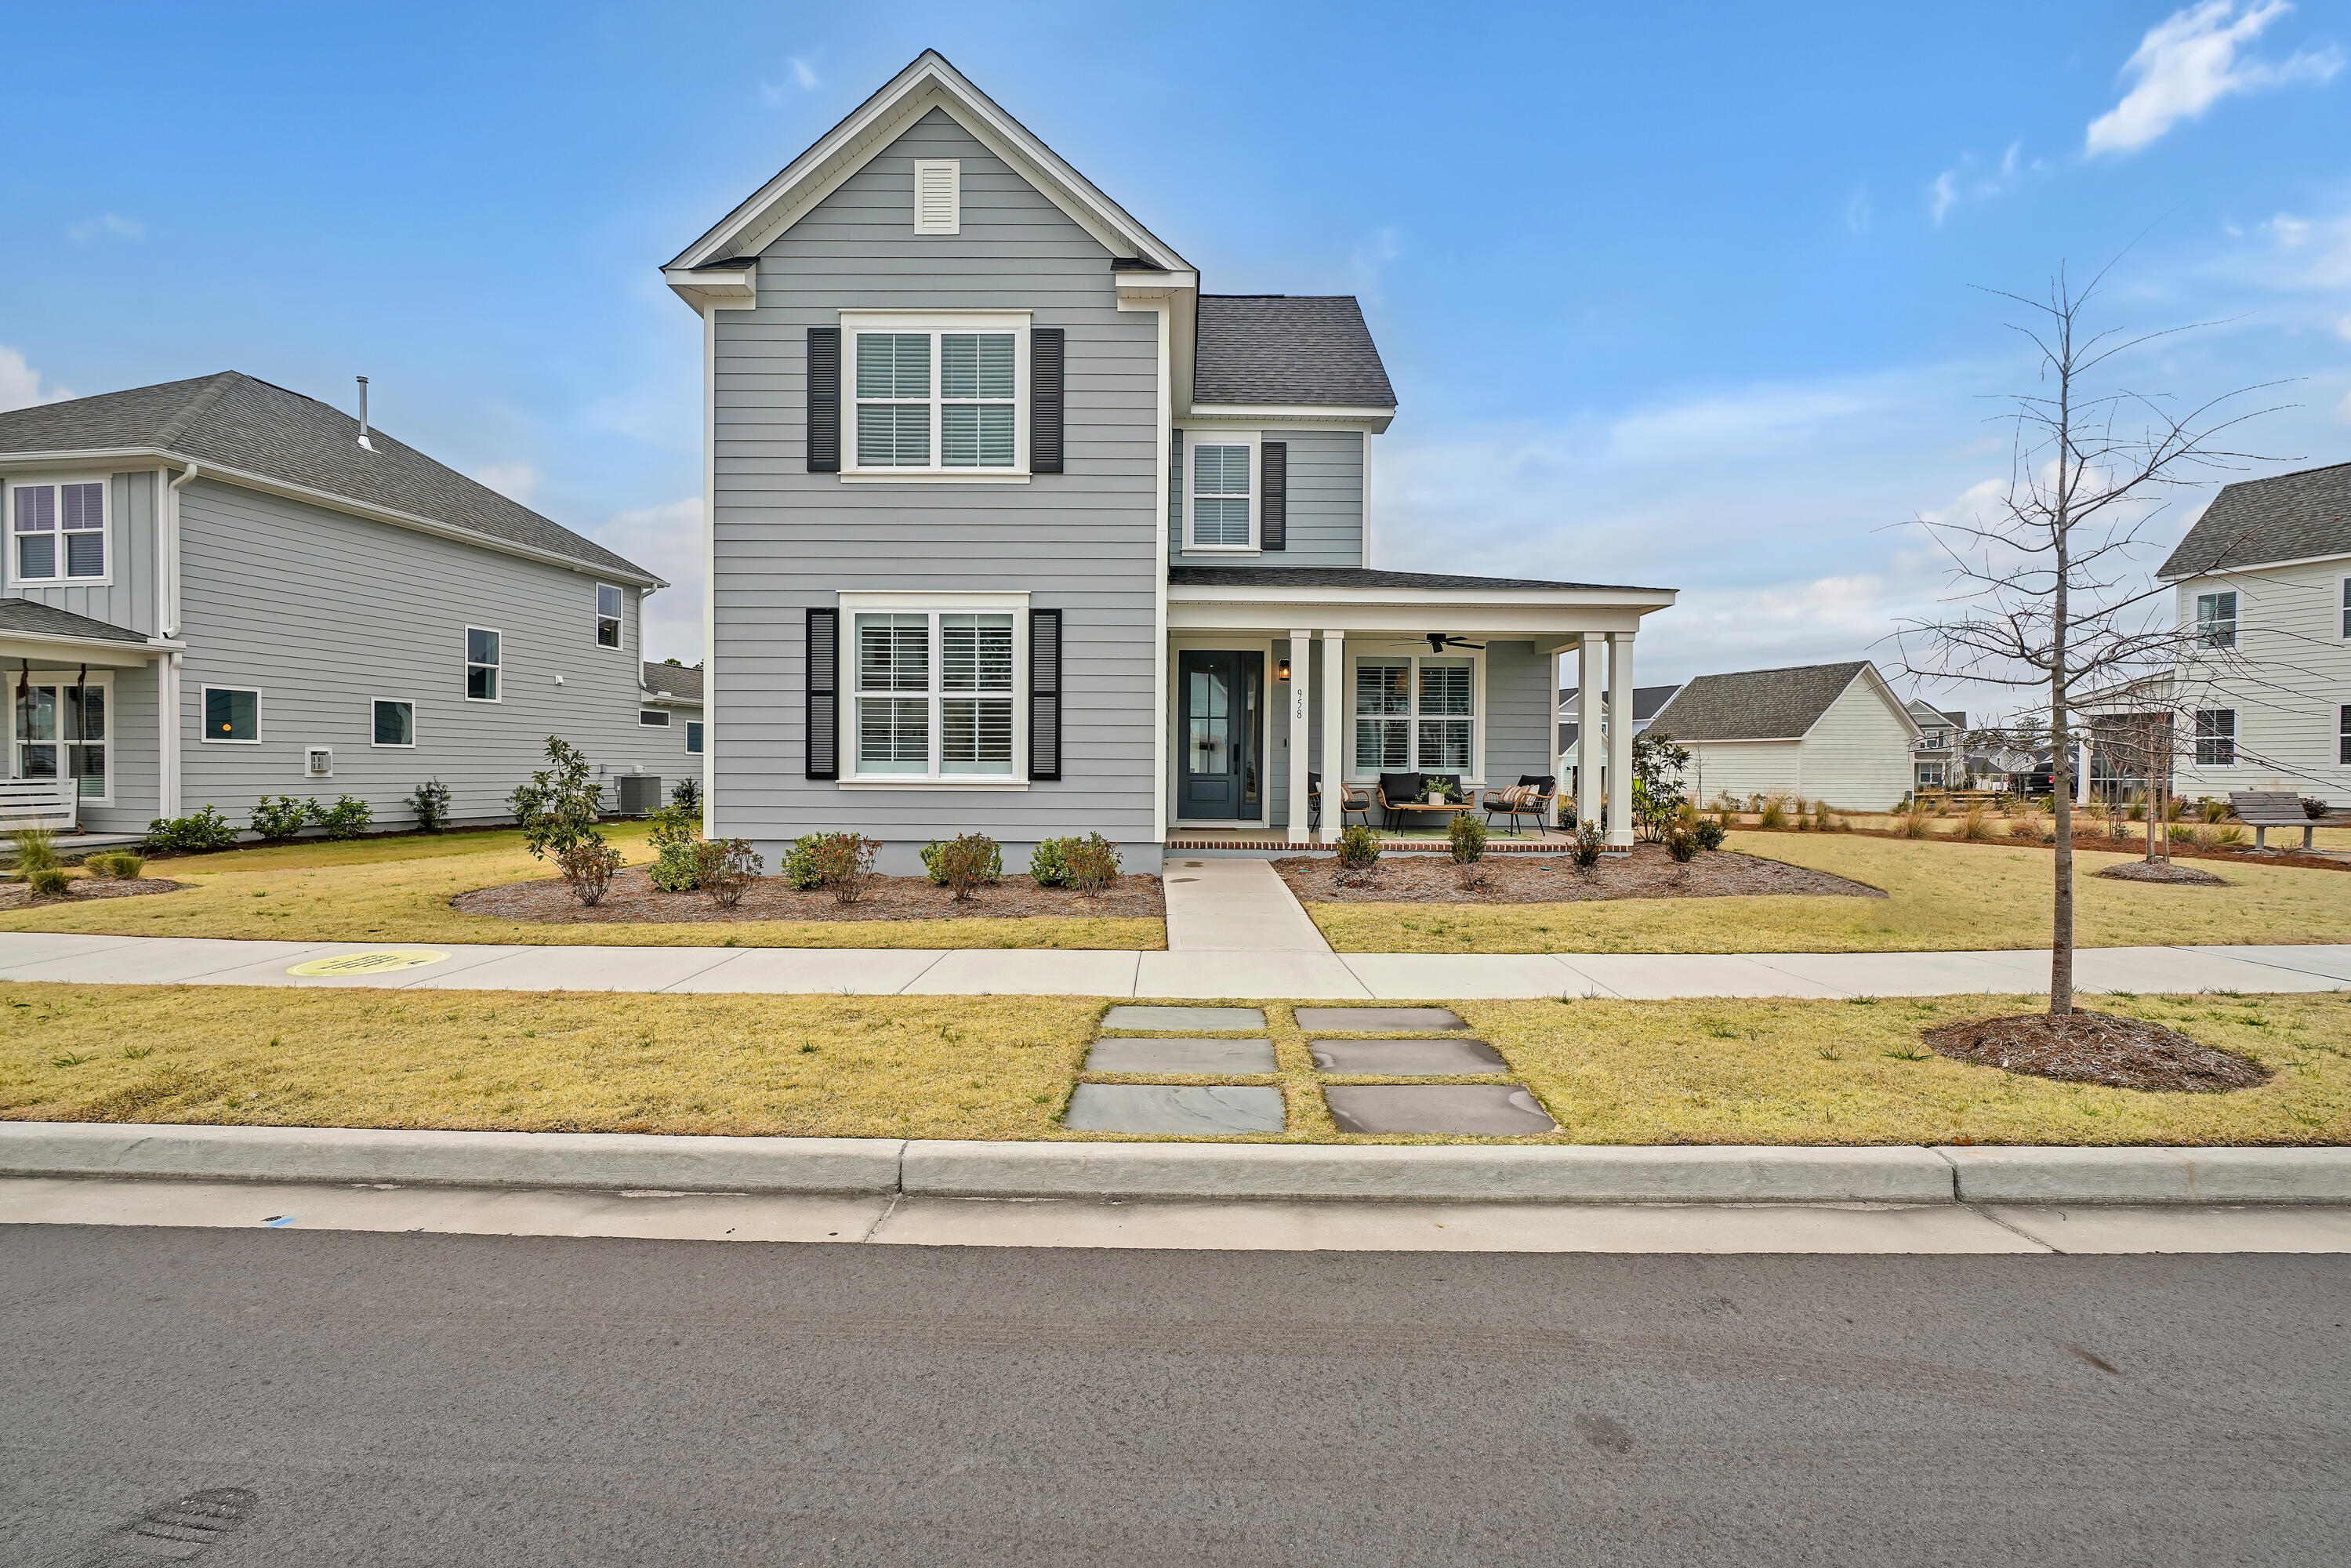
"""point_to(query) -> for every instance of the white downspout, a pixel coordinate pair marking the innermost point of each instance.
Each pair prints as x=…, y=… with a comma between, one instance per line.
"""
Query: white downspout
x=167, y=668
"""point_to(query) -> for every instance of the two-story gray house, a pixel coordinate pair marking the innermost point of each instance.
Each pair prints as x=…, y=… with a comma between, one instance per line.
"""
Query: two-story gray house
x=1012, y=528
x=216, y=590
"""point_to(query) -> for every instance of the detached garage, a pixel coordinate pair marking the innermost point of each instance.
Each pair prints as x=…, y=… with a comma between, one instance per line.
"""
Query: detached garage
x=1823, y=732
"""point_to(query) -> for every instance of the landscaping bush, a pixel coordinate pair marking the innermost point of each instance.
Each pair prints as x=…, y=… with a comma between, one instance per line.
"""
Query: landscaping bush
x=1708, y=833
x=36, y=849
x=2030, y=826
x=963, y=862
x=588, y=865
x=2229, y=836
x=1976, y=826
x=348, y=818
x=1775, y=813
x=1681, y=841
x=207, y=830
x=1589, y=841
x=48, y=882
x=120, y=865
x=429, y=803
x=1822, y=821
x=1916, y=823
x=676, y=840
x=1051, y=864
x=725, y=869
x=2214, y=811
x=685, y=792
x=799, y=869
x=1474, y=878
x=559, y=806
x=1359, y=848
x=844, y=862
x=1093, y=862
x=1466, y=836
x=1658, y=794
x=278, y=818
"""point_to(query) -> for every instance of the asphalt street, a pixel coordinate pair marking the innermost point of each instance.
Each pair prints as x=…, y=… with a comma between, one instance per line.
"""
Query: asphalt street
x=353, y=1399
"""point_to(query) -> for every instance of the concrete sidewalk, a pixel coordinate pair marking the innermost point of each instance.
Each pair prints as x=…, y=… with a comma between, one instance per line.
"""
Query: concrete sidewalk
x=1238, y=975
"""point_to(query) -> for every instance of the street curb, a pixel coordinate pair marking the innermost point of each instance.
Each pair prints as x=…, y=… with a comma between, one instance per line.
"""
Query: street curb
x=2150, y=1175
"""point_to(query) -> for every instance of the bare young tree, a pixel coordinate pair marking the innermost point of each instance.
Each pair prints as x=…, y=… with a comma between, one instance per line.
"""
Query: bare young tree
x=2048, y=598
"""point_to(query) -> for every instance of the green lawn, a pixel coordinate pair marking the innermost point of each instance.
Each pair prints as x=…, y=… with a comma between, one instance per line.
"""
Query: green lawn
x=1940, y=896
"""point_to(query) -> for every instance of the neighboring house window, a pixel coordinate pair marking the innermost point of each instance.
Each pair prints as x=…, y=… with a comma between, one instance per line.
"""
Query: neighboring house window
x=2343, y=735
x=232, y=716
x=608, y=616
x=937, y=401
x=653, y=717
x=1415, y=713
x=482, y=666
x=2216, y=738
x=2216, y=620
x=58, y=531
x=1220, y=496
x=693, y=737
x=2346, y=608
x=396, y=723
x=934, y=694
x=60, y=732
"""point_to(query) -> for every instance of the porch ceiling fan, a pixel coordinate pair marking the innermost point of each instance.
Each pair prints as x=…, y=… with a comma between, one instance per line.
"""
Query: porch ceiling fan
x=1440, y=640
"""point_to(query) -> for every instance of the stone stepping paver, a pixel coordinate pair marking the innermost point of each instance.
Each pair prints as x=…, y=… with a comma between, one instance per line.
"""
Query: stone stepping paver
x=1144, y=1053
x=1487, y=1110
x=1405, y=1058
x=1177, y=1108
x=1378, y=1017
x=1186, y=1018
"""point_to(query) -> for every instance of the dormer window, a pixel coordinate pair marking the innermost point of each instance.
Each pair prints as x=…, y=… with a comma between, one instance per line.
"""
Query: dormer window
x=938, y=196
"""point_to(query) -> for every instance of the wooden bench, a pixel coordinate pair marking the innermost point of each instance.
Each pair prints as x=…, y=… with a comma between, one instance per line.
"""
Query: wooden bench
x=2262, y=809
x=51, y=803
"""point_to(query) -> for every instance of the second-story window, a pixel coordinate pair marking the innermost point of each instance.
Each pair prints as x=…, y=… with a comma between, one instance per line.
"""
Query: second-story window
x=2216, y=620
x=936, y=401
x=608, y=616
x=1220, y=495
x=58, y=531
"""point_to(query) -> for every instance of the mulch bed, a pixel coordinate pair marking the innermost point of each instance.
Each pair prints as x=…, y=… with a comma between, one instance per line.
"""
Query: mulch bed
x=1648, y=873
x=2097, y=1048
x=632, y=899
x=84, y=890
x=2151, y=870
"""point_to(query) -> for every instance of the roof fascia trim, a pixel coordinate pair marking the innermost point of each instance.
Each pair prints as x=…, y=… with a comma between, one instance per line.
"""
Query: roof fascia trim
x=1274, y=593
x=2248, y=568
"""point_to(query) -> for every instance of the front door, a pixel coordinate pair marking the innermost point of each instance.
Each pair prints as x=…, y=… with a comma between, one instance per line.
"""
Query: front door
x=1220, y=780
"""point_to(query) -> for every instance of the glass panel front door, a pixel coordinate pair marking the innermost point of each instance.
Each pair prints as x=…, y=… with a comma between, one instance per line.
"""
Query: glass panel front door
x=1219, y=711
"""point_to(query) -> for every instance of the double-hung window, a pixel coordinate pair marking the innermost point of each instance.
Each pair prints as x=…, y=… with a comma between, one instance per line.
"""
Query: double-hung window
x=608, y=616
x=940, y=397
x=1221, y=495
x=2346, y=626
x=2216, y=620
x=2342, y=736
x=56, y=532
x=482, y=665
x=935, y=694
x=1415, y=713
x=2216, y=738
x=60, y=733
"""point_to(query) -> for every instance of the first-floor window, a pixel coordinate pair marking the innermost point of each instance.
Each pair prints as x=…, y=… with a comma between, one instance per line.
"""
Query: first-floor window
x=60, y=733
x=232, y=714
x=933, y=693
x=395, y=722
x=2216, y=738
x=693, y=737
x=1415, y=713
x=2343, y=735
x=653, y=717
x=482, y=665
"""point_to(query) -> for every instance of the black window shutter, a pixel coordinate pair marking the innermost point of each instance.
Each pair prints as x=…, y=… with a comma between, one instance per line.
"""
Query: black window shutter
x=1045, y=695
x=1273, y=508
x=823, y=720
x=1045, y=349
x=1175, y=487
x=823, y=403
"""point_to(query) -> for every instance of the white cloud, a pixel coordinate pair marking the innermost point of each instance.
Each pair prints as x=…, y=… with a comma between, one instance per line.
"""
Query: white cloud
x=803, y=78
x=20, y=384
x=516, y=481
x=106, y=224
x=1942, y=195
x=2188, y=61
x=666, y=540
x=1972, y=179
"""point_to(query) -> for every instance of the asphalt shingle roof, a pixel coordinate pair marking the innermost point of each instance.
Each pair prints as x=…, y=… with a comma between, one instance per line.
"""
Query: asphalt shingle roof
x=35, y=619
x=1755, y=705
x=1288, y=348
x=1357, y=577
x=2291, y=517
x=234, y=420
x=672, y=681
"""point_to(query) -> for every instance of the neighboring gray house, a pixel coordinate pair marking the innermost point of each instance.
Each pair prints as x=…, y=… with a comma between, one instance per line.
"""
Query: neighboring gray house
x=1820, y=732
x=1938, y=761
x=216, y=590
x=669, y=707
x=1013, y=529
x=1646, y=701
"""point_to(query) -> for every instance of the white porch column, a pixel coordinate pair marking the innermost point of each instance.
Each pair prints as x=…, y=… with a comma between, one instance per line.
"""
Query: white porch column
x=1620, y=740
x=167, y=734
x=1589, y=754
x=1334, y=731
x=1302, y=676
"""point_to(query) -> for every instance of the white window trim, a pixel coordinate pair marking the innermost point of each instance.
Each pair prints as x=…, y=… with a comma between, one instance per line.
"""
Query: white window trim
x=1416, y=651
x=2340, y=712
x=1195, y=437
x=954, y=167
x=652, y=718
x=203, y=701
x=62, y=678
x=105, y=483
x=2235, y=737
x=619, y=646
x=500, y=666
x=854, y=604
x=2235, y=621
x=408, y=745
x=2341, y=610
x=934, y=322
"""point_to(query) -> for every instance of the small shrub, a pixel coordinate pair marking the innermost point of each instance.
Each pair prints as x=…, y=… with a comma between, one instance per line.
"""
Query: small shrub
x=588, y=865
x=2137, y=809
x=686, y=792
x=2213, y=810
x=1473, y=877
x=120, y=865
x=1359, y=848
x=1916, y=822
x=844, y=862
x=560, y=804
x=429, y=804
x=1708, y=833
x=967, y=861
x=2230, y=835
x=725, y=869
x=36, y=849
x=676, y=839
x=1093, y=862
x=1976, y=826
x=1775, y=814
x=1466, y=836
x=1822, y=821
x=48, y=882
x=1589, y=841
x=278, y=818
x=2311, y=808
x=206, y=829
x=2029, y=826
x=798, y=869
x=1681, y=843
x=348, y=818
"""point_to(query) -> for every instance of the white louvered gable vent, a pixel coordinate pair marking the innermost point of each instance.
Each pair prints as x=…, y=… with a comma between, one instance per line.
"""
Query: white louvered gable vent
x=938, y=197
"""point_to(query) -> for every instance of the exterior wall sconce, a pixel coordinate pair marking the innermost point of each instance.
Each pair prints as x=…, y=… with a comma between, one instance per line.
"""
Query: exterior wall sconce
x=1282, y=670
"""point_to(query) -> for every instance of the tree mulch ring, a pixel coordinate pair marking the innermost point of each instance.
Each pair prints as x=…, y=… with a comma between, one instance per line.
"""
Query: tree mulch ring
x=632, y=899
x=84, y=890
x=2097, y=1048
x=1648, y=873
x=2162, y=871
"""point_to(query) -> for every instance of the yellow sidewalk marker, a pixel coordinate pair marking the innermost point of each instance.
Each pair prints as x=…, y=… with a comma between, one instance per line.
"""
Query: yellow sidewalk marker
x=382, y=961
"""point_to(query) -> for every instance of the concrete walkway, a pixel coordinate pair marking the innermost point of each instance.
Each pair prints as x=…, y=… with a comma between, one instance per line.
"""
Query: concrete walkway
x=1235, y=906
x=1200, y=973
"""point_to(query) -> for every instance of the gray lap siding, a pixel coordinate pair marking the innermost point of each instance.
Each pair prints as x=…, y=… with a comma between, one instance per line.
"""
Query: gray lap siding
x=1326, y=503
x=1083, y=541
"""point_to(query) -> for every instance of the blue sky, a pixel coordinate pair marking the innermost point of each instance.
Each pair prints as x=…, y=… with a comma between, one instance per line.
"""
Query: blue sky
x=1666, y=300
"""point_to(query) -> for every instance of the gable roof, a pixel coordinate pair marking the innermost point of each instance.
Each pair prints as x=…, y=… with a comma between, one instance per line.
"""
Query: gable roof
x=230, y=422
x=1927, y=712
x=927, y=83
x=1284, y=350
x=676, y=681
x=2256, y=522
x=1647, y=700
x=1764, y=705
